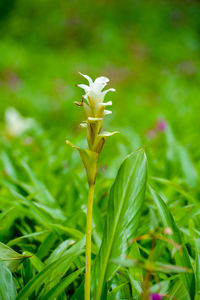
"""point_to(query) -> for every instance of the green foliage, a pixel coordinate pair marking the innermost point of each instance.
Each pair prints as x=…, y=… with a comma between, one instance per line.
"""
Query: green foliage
x=152, y=59
x=181, y=257
x=59, y=266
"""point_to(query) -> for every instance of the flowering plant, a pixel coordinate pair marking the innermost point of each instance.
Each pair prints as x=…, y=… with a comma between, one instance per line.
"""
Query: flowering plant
x=94, y=107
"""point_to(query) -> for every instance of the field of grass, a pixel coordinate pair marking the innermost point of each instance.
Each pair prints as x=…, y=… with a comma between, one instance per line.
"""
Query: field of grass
x=148, y=245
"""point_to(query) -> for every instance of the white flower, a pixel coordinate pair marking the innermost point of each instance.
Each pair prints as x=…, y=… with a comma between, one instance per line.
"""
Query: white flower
x=95, y=112
x=93, y=91
x=15, y=123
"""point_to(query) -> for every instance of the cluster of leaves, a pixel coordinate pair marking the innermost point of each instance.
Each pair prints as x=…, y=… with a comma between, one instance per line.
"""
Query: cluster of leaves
x=140, y=248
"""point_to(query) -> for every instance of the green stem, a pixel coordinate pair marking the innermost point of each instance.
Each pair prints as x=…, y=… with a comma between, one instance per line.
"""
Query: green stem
x=88, y=242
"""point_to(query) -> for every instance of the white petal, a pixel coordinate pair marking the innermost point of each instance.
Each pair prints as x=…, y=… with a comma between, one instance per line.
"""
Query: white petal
x=109, y=90
x=100, y=83
x=102, y=104
x=107, y=112
x=101, y=80
x=88, y=78
x=84, y=86
x=85, y=97
x=95, y=119
x=108, y=103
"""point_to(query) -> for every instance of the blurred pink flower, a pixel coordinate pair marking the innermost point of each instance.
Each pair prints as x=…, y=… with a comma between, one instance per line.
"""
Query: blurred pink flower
x=161, y=125
x=156, y=297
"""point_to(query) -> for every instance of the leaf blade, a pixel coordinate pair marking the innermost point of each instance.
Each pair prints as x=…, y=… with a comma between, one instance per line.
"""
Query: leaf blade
x=7, y=286
x=124, y=208
x=57, y=289
x=11, y=258
x=41, y=277
x=182, y=259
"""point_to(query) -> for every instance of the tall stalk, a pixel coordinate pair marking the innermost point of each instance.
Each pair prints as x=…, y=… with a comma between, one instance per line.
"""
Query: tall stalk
x=94, y=108
x=88, y=242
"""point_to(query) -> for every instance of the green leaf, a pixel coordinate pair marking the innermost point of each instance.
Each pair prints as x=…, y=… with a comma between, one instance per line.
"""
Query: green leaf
x=124, y=210
x=161, y=287
x=39, y=214
x=11, y=258
x=179, y=157
x=43, y=194
x=187, y=166
x=35, y=261
x=179, y=291
x=59, y=251
x=176, y=187
x=79, y=293
x=135, y=273
x=54, y=268
x=27, y=271
x=46, y=246
x=7, y=286
x=197, y=263
x=8, y=165
x=181, y=257
x=69, y=230
x=112, y=294
x=27, y=236
x=57, y=289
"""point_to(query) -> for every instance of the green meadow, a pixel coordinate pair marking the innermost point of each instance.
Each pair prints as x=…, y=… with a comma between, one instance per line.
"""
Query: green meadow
x=146, y=210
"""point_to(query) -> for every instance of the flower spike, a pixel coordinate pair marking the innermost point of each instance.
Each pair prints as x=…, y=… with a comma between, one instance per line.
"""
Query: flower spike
x=94, y=107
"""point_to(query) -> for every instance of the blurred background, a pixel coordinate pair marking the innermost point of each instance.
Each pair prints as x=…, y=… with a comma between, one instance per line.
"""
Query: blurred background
x=150, y=50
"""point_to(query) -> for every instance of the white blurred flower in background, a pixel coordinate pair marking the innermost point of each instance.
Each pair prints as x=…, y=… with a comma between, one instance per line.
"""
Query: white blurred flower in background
x=15, y=123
